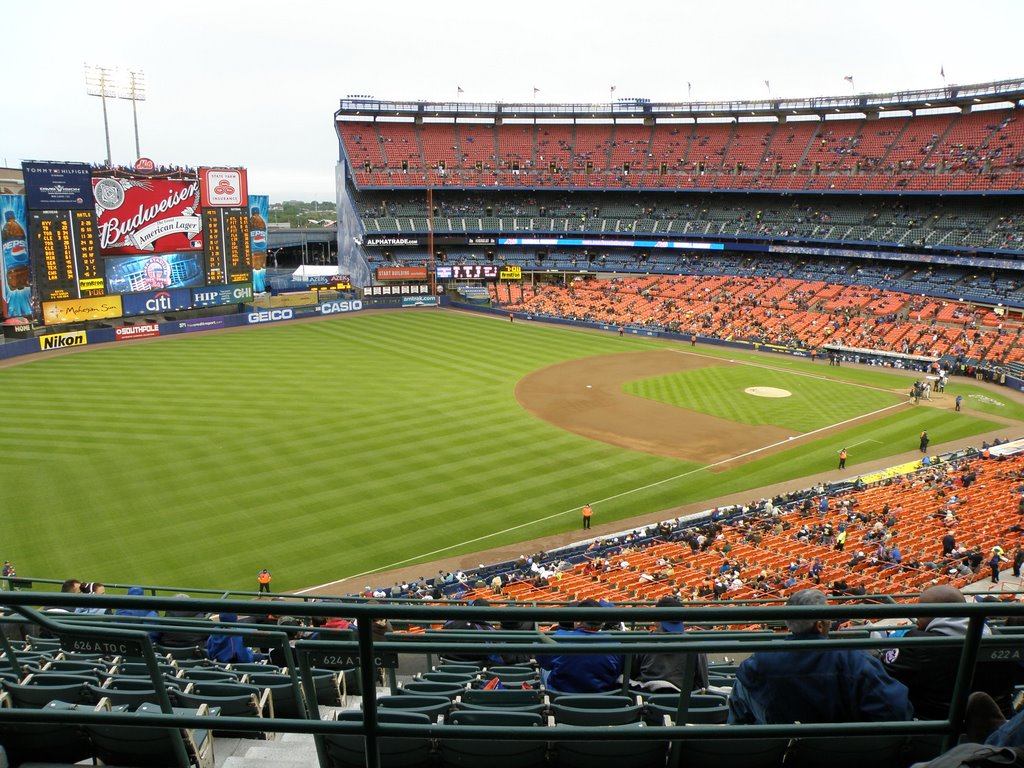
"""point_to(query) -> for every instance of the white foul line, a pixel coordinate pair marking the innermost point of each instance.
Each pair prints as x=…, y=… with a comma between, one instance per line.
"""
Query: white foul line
x=638, y=489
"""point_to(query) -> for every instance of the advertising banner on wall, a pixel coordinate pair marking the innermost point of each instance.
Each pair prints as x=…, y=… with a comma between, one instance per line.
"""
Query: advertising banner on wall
x=223, y=187
x=401, y=273
x=146, y=215
x=213, y=296
x=80, y=310
x=58, y=186
x=132, y=274
x=16, y=280
x=157, y=301
x=259, y=213
x=63, y=340
x=145, y=331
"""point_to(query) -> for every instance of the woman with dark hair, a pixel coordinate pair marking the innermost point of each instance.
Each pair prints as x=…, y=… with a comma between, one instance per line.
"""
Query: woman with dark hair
x=93, y=588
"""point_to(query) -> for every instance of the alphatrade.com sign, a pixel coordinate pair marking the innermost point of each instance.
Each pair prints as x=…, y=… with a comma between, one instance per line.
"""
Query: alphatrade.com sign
x=337, y=307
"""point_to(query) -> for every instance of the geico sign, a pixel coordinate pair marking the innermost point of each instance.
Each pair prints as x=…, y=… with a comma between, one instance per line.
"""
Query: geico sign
x=270, y=315
x=332, y=307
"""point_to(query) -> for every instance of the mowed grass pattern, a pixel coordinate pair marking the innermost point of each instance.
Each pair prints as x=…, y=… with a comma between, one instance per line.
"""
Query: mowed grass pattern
x=320, y=450
x=719, y=390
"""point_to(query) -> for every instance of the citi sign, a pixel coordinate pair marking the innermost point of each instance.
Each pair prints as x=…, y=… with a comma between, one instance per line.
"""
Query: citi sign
x=334, y=307
x=270, y=316
x=159, y=302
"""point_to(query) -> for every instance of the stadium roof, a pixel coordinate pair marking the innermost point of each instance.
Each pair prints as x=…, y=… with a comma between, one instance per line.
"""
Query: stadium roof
x=964, y=97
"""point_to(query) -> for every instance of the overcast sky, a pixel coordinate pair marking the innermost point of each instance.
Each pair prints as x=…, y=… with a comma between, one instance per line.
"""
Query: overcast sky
x=256, y=84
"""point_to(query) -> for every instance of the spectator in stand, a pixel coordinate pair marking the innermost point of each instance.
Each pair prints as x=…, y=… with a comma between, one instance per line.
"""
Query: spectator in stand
x=581, y=673
x=927, y=670
x=826, y=686
x=141, y=613
x=187, y=638
x=464, y=625
x=92, y=588
x=230, y=649
x=665, y=671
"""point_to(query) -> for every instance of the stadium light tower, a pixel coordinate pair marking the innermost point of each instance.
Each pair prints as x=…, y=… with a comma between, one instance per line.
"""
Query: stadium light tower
x=99, y=81
x=134, y=89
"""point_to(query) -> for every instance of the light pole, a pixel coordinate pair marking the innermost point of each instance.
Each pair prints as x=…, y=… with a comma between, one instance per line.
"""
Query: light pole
x=99, y=81
x=134, y=90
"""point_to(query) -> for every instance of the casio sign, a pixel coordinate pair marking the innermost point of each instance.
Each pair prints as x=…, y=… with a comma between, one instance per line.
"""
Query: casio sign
x=269, y=316
x=333, y=307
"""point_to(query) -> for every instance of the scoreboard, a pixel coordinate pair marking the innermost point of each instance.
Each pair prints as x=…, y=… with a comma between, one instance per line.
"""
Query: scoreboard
x=226, y=247
x=66, y=242
x=135, y=240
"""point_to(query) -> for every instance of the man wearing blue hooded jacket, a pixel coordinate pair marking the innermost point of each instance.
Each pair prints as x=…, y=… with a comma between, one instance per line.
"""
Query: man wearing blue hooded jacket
x=833, y=685
x=140, y=612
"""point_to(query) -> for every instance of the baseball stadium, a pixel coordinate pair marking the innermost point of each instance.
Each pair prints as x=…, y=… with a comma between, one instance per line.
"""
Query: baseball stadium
x=575, y=374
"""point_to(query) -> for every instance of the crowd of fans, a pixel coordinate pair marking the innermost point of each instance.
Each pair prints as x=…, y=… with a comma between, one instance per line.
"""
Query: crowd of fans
x=809, y=315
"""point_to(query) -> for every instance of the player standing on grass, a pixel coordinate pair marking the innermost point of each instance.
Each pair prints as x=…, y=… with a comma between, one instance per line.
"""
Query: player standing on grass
x=588, y=512
x=842, y=459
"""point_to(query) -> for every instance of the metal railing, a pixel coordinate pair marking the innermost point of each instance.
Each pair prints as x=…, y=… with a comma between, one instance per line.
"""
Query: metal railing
x=367, y=653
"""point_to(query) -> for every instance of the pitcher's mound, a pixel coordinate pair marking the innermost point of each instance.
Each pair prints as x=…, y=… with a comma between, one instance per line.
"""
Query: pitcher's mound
x=767, y=392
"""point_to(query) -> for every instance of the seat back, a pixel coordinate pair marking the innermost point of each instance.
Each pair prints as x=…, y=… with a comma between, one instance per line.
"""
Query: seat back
x=495, y=717
x=244, y=703
x=701, y=710
x=282, y=693
x=349, y=751
x=46, y=742
x=37, y=696
x=514, y=699
x=735, y=753
x=596, y=710
x=457, y=678
x=517, y=752
x=846, y=752
x=132, y=698
x=430, y=688
x=326, y=687
x=608, y=753
x=149, y=745
x=431, y=706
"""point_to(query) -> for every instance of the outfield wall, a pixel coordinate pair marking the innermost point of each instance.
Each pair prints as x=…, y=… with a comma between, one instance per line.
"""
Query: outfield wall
x=251, y=315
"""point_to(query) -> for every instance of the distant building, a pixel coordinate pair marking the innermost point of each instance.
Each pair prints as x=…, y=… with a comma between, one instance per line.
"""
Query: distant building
x=11, y=181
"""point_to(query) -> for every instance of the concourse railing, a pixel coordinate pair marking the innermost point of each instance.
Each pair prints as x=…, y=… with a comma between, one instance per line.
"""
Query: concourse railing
x=368, y=651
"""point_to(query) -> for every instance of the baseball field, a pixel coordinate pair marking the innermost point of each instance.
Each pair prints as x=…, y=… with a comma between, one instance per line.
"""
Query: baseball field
x=336, y=447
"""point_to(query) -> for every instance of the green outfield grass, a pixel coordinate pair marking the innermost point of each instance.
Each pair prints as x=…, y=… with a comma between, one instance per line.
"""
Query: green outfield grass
x=326, y=449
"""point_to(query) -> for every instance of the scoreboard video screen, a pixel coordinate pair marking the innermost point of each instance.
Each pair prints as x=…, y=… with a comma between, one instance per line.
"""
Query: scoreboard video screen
x=134, y=231
x=64, y=244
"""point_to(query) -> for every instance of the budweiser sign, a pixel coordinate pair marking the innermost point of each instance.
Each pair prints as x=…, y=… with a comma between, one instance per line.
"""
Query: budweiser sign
x=144, y=215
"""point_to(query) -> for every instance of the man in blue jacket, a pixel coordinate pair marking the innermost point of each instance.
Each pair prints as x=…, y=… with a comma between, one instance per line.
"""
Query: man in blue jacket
x=582, y=673
x=832, y=685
